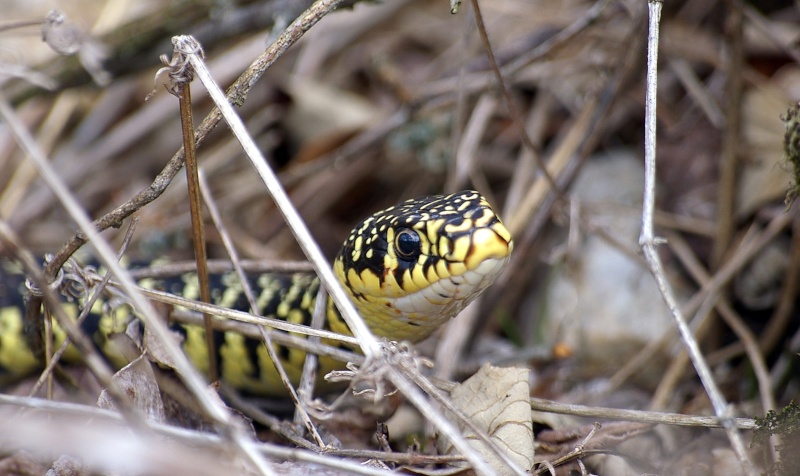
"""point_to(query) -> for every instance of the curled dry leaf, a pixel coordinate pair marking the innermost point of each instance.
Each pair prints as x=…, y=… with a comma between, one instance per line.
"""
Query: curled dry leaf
x=497, y=400
x=155, y=347
x=67, y=38
x=138, y=381
x=62, y=36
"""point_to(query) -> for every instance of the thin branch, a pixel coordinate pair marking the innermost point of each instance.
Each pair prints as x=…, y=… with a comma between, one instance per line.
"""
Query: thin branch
x=250, y=329
x=648, y=243
x=310, y=364
x=677, y=419
x=216, y=266
x=227, y=242
x=181, y=79
x=734, y=321
x=303, y=415
x=731, y=134
x=240, y=316
x=750, y=245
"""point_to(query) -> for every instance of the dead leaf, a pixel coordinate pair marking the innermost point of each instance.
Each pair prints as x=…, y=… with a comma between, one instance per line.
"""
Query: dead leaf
x=497, y=400
x=763, y=176
x=155, y=348
x=138, y=381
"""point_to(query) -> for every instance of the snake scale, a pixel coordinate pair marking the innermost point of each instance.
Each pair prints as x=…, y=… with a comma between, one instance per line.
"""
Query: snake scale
x=408, y=269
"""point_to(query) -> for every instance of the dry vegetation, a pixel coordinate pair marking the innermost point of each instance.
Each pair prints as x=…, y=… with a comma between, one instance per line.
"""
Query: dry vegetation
x=379, y=102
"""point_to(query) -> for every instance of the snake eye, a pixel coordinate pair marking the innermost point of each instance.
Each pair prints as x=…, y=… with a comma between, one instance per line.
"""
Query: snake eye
x=407, y=244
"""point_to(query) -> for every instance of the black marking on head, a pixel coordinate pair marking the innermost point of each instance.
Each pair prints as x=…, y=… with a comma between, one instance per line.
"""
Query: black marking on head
x=414, y=213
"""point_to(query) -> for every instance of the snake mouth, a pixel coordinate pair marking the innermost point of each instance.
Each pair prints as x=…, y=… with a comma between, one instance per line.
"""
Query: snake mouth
x=416, y=315
x=456, y=285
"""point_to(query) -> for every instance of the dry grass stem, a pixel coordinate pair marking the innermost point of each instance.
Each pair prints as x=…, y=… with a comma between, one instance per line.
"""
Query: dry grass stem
x=181, y=78
x=649, y=242
x=636, y=415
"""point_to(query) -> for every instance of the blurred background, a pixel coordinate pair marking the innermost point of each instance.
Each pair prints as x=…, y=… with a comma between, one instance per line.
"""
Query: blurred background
x=386, y=101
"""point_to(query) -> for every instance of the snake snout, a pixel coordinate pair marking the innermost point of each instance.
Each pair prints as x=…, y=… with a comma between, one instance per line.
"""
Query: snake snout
x=489, y=243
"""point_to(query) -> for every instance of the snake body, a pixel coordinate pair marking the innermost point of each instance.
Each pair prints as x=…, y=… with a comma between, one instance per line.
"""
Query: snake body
x=408, y=269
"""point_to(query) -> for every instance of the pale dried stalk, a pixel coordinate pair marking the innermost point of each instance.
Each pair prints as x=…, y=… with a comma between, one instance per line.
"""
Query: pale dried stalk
x=218, y=266
x=301, y=412
x=232, y=314
x=648, y=242
x=734, y=321
x=251, y=299
x=752, y=242
x=190, y=438
x=227, y=241
x=677, y=419
x=309, y=376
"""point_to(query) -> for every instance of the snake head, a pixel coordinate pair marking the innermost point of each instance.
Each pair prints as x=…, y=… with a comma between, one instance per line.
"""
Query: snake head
x=412, y=267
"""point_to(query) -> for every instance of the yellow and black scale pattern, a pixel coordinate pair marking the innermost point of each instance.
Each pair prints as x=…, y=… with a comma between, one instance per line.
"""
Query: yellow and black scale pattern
x=408, y=269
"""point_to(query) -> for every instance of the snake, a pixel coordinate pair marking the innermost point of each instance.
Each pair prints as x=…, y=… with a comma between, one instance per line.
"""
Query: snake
x=408, y=269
